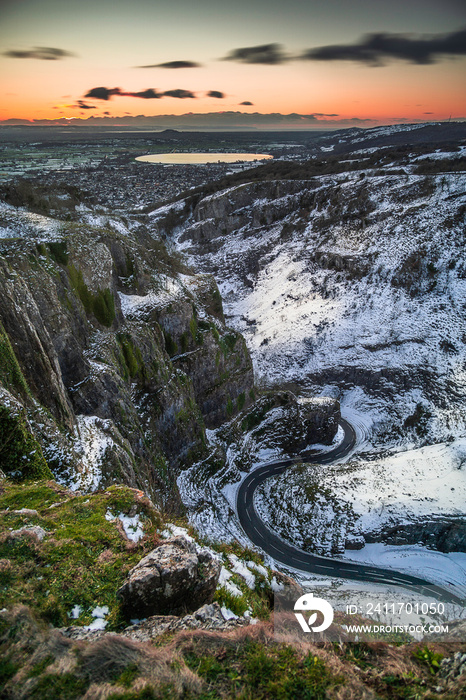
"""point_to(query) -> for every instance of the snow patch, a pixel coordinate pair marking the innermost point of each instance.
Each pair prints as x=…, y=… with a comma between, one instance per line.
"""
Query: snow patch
x=99, y=623
x=92, y=442
x=132, y=526
x=242, y=570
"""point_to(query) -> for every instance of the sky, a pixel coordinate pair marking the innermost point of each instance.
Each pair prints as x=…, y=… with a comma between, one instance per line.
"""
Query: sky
x=299, y=63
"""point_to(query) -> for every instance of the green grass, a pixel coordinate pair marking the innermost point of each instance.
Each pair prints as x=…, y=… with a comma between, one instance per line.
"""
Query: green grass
x=170, y=346
x=64, y=686
x=7, y=670
x=237, y=604
x=40, y=666
x=58, y=252
x=429, y=658
x=128, y=675
x=83, y=560
x=163, y=692
x=133, y=361
x=217, y=303
x=255, y=671
x=227, y=342
x=193, y=327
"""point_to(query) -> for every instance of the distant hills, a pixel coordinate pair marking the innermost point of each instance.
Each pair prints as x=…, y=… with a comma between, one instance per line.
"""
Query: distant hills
x=228, y=120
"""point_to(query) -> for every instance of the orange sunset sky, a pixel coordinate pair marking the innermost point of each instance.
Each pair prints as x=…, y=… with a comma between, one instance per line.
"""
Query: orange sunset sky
x=336, y=63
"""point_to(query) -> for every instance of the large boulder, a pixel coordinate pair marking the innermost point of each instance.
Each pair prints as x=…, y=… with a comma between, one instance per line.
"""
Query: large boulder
x=174, y=578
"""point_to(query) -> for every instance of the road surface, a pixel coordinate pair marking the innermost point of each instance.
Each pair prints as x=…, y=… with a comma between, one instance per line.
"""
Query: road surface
x=295, y=558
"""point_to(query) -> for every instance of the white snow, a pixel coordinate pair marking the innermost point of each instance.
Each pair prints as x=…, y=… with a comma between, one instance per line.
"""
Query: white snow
x=259, y=568
x=224, y=576
x=172, y=530
x=92, y=443
x=136, y=306
x=163, y=211
x=276, y=587
x=409, y=485
x=321, y=508
x=99, y=613
x=321, y=302
x=233, y=588
x=75, y=612
x=18, y=223
x=242, y=570
x=302, y=318
x=224, y=580
x=132, y=526
x=435, y=566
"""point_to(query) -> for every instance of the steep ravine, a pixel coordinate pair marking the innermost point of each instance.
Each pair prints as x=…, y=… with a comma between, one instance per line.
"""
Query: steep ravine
x=353, y=285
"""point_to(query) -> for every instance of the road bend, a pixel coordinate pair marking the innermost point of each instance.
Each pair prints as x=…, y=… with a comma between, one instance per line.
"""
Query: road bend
x=286, y=554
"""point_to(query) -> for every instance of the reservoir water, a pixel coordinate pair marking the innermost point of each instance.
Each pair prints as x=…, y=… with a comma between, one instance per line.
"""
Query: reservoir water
x=202, y=158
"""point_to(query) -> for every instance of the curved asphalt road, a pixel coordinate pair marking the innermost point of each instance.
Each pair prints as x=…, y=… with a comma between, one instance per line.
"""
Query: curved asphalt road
x=285, y=553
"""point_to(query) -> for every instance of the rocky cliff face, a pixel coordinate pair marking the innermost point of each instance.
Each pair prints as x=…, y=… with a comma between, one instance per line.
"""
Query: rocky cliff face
x=444, y=534
x=114, y=354
x=352, y=280
x=222, y=213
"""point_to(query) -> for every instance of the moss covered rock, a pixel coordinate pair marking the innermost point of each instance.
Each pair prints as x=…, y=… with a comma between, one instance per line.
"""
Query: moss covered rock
x=20, y=453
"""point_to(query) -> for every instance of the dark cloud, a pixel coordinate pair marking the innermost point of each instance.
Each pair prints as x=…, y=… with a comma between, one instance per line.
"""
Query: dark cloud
x=42, y=53
x=375, y=49
x=103, y=93
x=179, y=94
x=246, y=103
x=107, y=114
x=149, y=94
x=427, y=112
x=83, y=105
x=216, y=93
x=268, y=54
x=174, y=64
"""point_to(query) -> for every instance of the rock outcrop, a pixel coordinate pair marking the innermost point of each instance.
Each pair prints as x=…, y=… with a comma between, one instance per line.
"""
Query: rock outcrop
x=256, y=204
x=445, y=533
x=117, y=354
x=208, y=617
x=279, y=420
x=175, y=577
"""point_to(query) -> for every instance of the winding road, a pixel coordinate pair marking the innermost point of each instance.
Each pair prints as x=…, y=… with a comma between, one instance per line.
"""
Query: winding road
x=286, y=554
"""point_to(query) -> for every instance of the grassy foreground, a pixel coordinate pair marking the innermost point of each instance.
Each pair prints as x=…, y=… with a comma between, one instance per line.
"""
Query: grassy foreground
x=75, y=554
x=248, y=663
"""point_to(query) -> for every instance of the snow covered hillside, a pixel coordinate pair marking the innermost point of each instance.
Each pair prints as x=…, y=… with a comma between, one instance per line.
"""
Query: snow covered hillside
x=414, y=497
x=353, y=284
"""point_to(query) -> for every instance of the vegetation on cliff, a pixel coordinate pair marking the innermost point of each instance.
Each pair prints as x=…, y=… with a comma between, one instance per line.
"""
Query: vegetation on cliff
x=110, y=345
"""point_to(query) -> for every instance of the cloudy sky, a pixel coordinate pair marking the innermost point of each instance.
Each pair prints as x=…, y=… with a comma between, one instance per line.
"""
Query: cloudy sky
x=333, y=62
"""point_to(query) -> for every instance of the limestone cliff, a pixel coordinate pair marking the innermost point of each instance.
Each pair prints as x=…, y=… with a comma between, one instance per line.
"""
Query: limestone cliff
x=114, y=354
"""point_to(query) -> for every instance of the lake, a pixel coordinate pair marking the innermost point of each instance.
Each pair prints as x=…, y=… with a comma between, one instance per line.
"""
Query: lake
x=201, y=158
